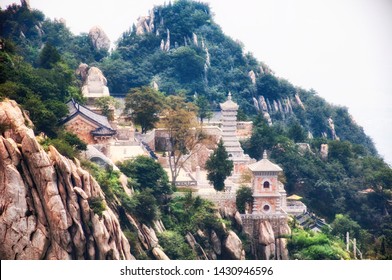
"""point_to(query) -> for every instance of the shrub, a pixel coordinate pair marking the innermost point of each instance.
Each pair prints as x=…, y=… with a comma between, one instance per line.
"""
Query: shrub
x=243, y=196
x=145, y=206
x=97, y=204
x=175, y=246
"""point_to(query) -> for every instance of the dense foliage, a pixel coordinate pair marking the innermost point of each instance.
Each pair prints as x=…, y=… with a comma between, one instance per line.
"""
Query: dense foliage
x=219, y=167
x=243, y=199
x=147, y=174
x=143, y=105
x=188, y=214
x=308, y=245
x=30, y=31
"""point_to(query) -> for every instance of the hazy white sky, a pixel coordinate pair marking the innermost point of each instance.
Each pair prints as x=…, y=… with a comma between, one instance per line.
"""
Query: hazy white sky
x=341, y=48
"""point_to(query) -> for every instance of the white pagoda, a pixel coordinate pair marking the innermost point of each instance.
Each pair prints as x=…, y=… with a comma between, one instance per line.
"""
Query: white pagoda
x=229, y=136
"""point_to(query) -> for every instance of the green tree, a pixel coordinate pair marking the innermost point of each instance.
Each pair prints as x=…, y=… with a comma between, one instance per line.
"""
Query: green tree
x=263, y=137
x=148, y=174
x=343, y=224
x=49, y=56
x=340, y=150
x=308, y=245
x=243, y=197
x=219, y=167
x=107, y=104
x=297, y=133
x=204, y=108
x=145, y=206
x=175, y=246
x=144, y=105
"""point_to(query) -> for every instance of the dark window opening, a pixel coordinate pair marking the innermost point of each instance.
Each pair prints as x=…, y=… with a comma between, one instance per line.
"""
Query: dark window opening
x=266, y=185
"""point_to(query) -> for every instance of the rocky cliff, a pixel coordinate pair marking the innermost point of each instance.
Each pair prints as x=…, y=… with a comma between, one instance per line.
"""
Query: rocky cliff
x=45, y=201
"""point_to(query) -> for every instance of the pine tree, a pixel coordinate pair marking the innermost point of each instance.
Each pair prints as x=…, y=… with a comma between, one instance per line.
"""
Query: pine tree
x=49, y=56
x=219, y=167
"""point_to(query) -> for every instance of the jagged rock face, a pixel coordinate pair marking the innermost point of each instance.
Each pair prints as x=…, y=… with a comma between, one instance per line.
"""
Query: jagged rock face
x=266, y=233
x=145, y=24
x=44, y=201
x=299, y=101
x=266, y=240
x=216, y=243
x=332, y=128
x=99, y=38
x=252, y=77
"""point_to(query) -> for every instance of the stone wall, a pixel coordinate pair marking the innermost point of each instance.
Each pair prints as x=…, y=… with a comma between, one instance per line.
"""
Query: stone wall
x=221, y=199
x=82, y=129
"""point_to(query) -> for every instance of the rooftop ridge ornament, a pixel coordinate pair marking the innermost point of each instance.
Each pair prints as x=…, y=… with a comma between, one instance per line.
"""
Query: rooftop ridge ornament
x=265, y=154
x=229, y=96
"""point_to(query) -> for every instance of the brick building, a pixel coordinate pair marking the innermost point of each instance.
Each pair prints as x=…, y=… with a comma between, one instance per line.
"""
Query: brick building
x=90, y=127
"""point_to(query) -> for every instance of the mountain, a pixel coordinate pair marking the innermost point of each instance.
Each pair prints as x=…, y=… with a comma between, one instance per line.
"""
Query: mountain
x=178, y=47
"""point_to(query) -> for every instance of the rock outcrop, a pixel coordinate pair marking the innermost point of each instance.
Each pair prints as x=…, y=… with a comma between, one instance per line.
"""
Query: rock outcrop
x=145, y=24
x=46, y=201
x=266, y=240
x=99, y=39
x=324, y=151
x=82, y=71
x=233, y=246
x=159, y=254
x=95, y=83
x=252, y=77
x=331, y=126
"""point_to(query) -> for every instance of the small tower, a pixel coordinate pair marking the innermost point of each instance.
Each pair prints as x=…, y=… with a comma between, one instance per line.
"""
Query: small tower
x=269, y=196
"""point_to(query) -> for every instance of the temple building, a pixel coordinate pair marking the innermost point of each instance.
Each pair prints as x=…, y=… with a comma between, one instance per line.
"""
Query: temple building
x=267, y=223
x=269, y=195
x=229, y=136
x=90, y=127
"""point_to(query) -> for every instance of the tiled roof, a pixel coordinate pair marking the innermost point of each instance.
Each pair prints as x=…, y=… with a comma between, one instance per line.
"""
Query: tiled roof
x=75, y=109
x=229, y=104
x=264, y=165
x=103, y=131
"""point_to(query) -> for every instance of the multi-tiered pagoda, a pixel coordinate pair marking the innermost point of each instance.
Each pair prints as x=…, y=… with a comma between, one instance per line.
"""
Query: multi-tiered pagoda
x=229, y=136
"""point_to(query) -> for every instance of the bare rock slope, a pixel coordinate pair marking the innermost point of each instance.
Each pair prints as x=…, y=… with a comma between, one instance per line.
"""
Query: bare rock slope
x=45, y=198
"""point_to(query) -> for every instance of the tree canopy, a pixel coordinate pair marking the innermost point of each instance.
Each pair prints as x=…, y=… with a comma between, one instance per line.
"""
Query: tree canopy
x=219, y=167
x=143, y=105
